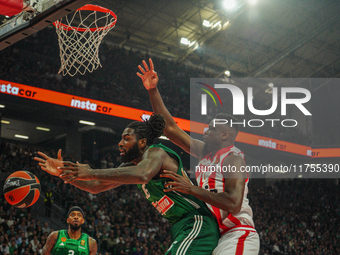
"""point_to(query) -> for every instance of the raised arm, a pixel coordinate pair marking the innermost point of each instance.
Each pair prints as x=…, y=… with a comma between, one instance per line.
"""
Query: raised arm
x=172, y=130
x=141, y=173
x=50, y=242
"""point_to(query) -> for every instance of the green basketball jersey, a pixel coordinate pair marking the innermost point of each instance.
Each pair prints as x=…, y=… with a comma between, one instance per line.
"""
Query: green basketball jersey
x=67, y=246
x=172, y=205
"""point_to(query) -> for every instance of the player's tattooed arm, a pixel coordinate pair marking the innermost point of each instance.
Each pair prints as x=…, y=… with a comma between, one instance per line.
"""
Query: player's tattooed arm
x=50, y=242
x=94, y=186
x=141, y=173
x=93, y=246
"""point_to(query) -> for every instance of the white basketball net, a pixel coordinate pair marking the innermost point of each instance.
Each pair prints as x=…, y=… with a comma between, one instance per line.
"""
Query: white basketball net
x=79, y=49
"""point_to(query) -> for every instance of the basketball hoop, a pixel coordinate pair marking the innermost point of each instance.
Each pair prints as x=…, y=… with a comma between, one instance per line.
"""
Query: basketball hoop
x=79, y=45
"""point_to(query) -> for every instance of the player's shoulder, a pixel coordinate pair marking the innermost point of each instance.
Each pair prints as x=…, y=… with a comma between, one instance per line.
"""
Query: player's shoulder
x=234, y=157
x=155, y=151
x=54, y=234
x=92, y=240
x=52, y=238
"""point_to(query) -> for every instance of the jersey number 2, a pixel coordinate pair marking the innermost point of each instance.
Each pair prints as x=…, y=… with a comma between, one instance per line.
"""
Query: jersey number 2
x=71, y=252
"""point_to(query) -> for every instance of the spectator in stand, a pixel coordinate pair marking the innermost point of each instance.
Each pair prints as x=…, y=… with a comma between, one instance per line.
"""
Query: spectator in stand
x=13, y=246
x=46, y=228
x=4, y=248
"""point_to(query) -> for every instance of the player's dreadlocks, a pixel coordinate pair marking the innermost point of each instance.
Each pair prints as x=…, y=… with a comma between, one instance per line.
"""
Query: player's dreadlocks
x=149, y=129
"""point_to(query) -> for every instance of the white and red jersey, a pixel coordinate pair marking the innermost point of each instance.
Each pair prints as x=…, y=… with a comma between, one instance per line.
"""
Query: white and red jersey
x=214, y=181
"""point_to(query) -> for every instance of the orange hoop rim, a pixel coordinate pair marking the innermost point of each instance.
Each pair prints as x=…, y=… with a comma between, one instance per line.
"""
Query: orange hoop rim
x=88, y=7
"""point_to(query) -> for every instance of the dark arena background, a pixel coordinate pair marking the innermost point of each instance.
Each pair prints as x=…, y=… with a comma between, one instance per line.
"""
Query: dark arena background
x=294, y=213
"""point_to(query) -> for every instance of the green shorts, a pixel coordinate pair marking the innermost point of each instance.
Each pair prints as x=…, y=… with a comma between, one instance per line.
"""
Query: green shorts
x=194, y=235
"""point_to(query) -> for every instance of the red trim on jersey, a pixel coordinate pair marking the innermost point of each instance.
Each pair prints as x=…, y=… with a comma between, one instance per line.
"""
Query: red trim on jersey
x=197, y=174
x=234, y=220
x=238, y=228
x=201, y=182
x=240, y=244
x=211, y=180
x=217, y=213
x=223, y=150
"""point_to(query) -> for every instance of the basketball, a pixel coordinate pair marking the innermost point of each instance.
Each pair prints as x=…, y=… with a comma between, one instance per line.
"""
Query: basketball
x=22, y=189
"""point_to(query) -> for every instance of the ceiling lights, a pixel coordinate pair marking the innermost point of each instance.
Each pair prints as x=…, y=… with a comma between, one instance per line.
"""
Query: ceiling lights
x=206, y=23
x=185, y=41
x=252, y=2
x=87, y=123
x=229, y=4
x=43, y=129
x=21, y=136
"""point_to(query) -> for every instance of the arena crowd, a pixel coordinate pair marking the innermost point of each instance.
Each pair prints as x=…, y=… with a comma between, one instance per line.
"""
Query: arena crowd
x=292, y=217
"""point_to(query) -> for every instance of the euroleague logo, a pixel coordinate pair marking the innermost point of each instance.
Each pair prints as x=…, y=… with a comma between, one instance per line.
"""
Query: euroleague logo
x=10, y=183
x=238, y=105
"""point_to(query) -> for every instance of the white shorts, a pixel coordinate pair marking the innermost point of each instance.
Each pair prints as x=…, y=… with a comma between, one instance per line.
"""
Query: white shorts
x=238, y=242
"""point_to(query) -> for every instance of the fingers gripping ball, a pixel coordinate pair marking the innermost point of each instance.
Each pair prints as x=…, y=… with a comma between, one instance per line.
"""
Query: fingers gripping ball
x=22, y=189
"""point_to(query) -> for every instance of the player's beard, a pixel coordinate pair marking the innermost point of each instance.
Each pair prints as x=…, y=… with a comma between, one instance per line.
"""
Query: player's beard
x=206, y=149
x=130, y=155
x=75, y=227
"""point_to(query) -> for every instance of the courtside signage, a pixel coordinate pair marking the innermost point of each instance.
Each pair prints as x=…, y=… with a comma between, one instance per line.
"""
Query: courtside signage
x=82, y=103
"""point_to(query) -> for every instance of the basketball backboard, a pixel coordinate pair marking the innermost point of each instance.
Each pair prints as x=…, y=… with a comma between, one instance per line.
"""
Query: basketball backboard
x=38, y=15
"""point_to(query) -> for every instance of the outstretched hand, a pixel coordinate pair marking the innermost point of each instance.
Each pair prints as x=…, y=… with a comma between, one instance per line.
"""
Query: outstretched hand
x=75, y=171
x=178, y=183
x=148, y=76
x=50, y=165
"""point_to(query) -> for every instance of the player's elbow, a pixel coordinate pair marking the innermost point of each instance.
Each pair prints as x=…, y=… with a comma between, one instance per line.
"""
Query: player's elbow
x=232, y=204
x=144, y=179
x=235, y=208
x=171, y=130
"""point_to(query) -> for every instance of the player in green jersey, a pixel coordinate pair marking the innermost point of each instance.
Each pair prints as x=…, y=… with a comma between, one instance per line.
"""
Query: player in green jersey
x=194, y=229
x=71, y=241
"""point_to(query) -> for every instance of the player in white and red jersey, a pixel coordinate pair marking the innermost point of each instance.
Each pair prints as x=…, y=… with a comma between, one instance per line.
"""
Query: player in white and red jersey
x=225, y=192
x=240, y=226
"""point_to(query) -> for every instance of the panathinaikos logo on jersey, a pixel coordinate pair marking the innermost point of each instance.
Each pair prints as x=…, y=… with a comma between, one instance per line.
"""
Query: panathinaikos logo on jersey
x=82, y=242
x=163, y=205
